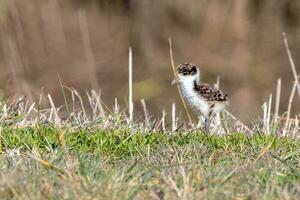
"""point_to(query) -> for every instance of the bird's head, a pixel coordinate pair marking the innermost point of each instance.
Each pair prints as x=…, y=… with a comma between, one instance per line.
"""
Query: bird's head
x=186, y=72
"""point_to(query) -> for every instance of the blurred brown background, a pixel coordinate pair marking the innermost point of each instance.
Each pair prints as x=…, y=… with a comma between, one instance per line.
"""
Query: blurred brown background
x=86, y=42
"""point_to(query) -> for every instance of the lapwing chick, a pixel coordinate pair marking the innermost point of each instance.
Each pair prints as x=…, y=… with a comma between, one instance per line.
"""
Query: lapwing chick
x=203, y=99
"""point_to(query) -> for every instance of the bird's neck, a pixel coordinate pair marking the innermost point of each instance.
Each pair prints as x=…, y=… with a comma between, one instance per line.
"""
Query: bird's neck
x=188, y=85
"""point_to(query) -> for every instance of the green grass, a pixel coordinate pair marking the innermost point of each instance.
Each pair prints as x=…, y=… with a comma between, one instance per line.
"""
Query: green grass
x=120, y=164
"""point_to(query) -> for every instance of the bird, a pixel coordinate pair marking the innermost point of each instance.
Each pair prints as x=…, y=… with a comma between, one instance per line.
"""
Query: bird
x=203, y=99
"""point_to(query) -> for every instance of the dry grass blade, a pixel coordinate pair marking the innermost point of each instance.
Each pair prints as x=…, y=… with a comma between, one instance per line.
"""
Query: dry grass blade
x=289, y=109
x=173, y=117
x=49, y=165
x=291, y=62
x=130, y=102
x=163, y=124
x=265, y=122
x=239, y=122
x=63, y=93
x=98, y=103
x=147, y=122
x=269, y=113
x=116, y=107
x=278, y=92
x=179, y=91
x=54, y=111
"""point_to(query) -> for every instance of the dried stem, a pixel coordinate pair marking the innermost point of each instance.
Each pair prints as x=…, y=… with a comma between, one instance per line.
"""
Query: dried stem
x=147, y=122
x=265, y=122
x=173, y=117
x=238, y=121
x=278, y=92
x=291, y=62
x=269, y=113
x=179, y=91
x=63, y=93
x=289, y=108
x=130, y=102
x=163, y=124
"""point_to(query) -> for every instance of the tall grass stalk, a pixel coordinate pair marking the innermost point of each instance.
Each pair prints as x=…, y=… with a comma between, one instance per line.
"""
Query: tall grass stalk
x=130, y=101
x=178, y=88
x=54, y=111
x=265, y=113
x=147, y=122
x=277, y=103
x=163, y=124
x=285, y=130
x=296, y=77
x=173, y=117
x=116, y=107
x=269, y=113
x=63, y=93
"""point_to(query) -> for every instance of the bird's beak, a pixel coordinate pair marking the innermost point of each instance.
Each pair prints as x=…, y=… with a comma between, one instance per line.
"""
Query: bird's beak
x=175, y=80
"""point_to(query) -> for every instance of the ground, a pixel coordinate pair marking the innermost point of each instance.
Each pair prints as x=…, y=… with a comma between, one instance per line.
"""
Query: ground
x=43, y=162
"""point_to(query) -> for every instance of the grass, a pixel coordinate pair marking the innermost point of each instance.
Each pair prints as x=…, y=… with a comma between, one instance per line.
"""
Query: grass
x=61, y=163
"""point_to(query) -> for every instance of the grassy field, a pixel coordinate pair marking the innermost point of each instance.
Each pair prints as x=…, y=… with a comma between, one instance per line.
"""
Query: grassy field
x=43, y=162
x=77, y=151
x=85, y=150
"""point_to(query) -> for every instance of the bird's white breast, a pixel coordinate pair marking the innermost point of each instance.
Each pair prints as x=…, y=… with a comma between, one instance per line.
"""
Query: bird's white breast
x=197, y=103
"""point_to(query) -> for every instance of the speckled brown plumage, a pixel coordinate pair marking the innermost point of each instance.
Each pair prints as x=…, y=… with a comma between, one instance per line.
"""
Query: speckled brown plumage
x=187, y=69
x=209, y=93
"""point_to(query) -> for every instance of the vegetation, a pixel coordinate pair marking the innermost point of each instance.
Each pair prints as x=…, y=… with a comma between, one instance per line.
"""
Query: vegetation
x=44, y=162
x=91, y=152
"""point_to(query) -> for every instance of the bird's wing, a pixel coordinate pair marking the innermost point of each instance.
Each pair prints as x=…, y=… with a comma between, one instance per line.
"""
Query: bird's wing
x=209, y=93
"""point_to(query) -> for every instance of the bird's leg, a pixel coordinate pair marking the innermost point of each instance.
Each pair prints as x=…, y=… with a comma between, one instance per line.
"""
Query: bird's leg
x=206, y=125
